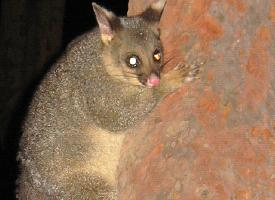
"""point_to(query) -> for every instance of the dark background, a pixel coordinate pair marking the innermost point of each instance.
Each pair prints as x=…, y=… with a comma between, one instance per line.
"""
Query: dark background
x=24, y=61
x=79, y=15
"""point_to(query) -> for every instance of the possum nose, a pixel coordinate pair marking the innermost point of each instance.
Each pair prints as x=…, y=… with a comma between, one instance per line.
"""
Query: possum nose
x=153, y=80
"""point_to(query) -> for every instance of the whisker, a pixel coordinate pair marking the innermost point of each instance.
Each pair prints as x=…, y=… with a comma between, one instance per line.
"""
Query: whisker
x=124, y=76
x=167, y=61
x=132, y=73
x=132, y=77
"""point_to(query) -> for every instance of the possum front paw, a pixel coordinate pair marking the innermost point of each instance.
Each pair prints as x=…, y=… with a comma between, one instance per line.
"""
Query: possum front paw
x=182, y=73
x=189, y=72
x=175, y=78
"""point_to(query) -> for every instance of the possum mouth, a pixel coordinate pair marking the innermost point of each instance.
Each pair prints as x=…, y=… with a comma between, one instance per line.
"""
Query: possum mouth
x=150, y=81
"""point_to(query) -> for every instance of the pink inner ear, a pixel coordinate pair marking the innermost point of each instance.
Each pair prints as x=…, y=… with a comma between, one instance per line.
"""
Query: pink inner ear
x=106, y=30
x=103, y=18
x=153, y=80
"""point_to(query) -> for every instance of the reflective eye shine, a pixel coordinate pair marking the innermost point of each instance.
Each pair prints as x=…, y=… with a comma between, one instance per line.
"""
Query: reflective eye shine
x=157, y=55
x=133, y=61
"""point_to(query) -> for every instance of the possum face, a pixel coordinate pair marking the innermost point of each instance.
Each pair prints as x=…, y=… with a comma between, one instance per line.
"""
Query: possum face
x=135, y=54
x=132, y=50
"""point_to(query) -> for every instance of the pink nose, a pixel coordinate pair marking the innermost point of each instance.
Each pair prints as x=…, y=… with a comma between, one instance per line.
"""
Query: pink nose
x=153, y=80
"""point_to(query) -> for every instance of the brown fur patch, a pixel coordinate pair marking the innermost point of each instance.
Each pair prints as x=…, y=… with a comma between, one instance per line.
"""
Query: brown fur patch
x=106, y=153
x=119, y=72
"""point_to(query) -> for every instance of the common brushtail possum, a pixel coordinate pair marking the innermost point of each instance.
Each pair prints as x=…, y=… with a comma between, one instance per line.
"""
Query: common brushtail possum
x=106, y=82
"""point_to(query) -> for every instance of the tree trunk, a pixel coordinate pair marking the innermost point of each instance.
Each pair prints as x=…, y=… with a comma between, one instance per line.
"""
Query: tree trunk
x=214, y=138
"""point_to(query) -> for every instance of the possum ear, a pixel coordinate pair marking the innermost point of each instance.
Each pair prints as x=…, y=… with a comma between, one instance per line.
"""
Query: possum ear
x=107, y=21
x=153, y=13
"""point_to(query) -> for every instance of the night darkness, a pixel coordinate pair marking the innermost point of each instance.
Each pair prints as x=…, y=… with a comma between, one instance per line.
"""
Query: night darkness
x=78, y=18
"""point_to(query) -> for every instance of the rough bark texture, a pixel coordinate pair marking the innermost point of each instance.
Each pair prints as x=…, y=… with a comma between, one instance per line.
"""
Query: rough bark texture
x=213, y=139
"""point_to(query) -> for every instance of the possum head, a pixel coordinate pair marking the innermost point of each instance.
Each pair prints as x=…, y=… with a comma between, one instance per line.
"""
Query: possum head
x=132, y=50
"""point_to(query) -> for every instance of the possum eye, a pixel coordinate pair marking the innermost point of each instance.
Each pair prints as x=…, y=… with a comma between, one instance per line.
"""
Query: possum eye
x=157, y=55
x=133, y=61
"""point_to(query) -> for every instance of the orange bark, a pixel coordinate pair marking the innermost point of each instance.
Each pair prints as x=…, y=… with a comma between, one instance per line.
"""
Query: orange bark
x=214, y=138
